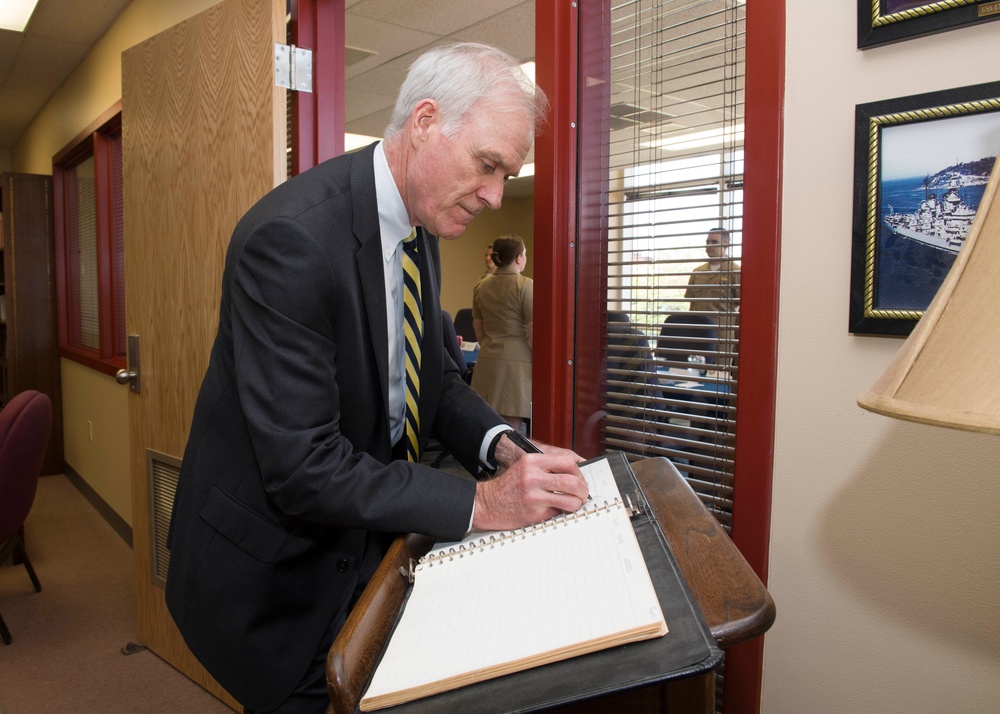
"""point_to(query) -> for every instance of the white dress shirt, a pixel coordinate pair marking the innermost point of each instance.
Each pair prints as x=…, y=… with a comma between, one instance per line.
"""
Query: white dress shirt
x=394, y=226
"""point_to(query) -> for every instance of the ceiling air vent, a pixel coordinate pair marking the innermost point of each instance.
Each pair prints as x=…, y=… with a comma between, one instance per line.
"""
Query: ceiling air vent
x=624, y=115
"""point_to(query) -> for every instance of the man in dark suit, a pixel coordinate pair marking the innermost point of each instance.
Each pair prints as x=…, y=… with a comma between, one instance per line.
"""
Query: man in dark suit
x=295, y=477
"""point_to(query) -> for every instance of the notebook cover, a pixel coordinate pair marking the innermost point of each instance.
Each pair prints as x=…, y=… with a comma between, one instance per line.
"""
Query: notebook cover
x=687, y=649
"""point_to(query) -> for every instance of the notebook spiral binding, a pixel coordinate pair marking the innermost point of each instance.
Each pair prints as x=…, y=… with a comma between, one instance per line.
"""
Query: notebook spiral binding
x=500, y=539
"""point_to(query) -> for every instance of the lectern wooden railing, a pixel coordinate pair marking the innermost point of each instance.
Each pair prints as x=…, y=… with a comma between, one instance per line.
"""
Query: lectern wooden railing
x=733, y=601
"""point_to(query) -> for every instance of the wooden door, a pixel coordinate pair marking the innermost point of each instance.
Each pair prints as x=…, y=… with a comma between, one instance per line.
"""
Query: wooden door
x=203, y=130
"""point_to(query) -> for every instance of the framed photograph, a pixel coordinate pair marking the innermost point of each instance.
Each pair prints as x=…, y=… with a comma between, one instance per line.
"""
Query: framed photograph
x=921, y=164
x=884, y=21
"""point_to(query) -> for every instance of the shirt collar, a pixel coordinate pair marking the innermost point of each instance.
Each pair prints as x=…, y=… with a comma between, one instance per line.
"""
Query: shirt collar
x=393, y=221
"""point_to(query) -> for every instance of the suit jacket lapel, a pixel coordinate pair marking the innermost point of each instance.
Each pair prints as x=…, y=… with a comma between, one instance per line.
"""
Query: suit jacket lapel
x=369, y=259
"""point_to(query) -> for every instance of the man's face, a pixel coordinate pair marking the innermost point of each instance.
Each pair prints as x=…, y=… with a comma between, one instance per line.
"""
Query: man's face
x=451, y=180
x=715, y=247
x=489, y=258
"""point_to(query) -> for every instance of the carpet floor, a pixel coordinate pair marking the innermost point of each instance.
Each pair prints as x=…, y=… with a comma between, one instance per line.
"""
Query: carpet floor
x=66, y=654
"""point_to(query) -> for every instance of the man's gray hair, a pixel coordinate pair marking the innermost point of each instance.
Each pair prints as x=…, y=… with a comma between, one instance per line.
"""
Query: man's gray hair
x=461, y=75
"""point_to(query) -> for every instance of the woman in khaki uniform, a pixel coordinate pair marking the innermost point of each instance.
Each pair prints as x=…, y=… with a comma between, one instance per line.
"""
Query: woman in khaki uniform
x=502, y=313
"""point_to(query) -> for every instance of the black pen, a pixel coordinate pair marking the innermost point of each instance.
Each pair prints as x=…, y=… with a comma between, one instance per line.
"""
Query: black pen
x=519, y=441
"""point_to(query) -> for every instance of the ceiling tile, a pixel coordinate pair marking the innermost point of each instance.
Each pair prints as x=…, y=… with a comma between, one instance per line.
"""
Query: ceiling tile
x=43, y=62
x=388, y=41
x=371, y=124
x=10, y=43
x=513, y=29
x=364, y=102
x=442, y=17
x=73, y=20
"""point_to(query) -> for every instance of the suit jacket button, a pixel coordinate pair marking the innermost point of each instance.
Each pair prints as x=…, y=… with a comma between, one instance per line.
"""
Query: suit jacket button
x=343, y=565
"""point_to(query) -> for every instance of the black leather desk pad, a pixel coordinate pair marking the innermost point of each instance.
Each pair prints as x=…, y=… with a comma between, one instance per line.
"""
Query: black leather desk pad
x=687, y=649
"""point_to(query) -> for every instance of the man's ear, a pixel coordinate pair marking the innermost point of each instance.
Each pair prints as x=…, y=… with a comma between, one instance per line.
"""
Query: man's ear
x=426, y=114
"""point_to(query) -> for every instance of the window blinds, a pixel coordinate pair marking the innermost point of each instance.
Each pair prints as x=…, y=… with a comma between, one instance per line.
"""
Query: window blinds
x=676, y=172
x=82, y=227
x=118, y=242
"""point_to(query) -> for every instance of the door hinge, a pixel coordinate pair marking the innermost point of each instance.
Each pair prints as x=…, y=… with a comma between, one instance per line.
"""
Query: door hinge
x=293, y=67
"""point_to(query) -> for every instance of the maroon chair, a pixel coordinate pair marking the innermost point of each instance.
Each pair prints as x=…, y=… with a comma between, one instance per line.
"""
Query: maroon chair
x=25, y=424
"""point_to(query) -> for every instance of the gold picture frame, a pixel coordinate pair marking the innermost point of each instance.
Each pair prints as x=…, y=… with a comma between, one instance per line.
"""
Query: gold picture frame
x=883, y=21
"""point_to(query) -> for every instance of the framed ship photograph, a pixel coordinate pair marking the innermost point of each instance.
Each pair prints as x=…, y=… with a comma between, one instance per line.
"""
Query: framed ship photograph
x=921, y=164
x=884, y=21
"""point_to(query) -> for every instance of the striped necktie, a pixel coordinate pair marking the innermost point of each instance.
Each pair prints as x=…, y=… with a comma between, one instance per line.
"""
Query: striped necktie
x=413, y=331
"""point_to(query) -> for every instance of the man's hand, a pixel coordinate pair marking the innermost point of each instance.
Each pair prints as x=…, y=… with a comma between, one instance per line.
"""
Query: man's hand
x=535, y=487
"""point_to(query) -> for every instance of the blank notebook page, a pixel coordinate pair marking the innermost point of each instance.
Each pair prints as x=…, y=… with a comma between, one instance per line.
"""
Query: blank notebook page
x=536, y=596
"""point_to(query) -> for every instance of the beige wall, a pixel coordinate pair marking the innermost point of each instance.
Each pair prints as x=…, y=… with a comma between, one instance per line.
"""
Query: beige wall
x=462, y=259
x=97, y=445
x=93, y=403
x=884, y=535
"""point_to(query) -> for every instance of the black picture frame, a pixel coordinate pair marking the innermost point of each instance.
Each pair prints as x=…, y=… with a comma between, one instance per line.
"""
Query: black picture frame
x=883, y=21
x=899, y=256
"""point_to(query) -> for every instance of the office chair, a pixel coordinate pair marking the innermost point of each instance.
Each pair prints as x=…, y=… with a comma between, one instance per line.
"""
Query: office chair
x=690, y=338
x=632, y=382
x=463, y=324
x=25, y=424
x=453, y=350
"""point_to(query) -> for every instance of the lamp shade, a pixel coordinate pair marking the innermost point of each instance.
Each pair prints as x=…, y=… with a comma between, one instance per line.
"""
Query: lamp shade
x=948, y=371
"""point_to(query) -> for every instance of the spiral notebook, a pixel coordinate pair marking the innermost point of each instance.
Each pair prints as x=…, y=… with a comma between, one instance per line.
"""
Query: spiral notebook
x=502, y=602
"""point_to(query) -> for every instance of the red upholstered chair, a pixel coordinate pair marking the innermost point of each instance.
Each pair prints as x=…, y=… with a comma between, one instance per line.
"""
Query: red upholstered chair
x=25, y=424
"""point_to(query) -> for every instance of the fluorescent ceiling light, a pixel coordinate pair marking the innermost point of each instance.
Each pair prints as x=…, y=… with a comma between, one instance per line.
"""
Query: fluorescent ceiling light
x=699, y=139
x=529, y=69
x=526, y=171
x=14, y=14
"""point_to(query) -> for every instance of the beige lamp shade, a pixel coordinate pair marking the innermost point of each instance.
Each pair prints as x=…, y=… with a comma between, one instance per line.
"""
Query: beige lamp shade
x=948, y=370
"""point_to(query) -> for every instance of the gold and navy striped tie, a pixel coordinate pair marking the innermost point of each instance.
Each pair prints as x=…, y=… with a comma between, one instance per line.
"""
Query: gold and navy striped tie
x=413, y=330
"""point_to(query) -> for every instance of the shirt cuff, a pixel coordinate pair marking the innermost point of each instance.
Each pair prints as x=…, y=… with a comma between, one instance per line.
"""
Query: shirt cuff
x=484, y=449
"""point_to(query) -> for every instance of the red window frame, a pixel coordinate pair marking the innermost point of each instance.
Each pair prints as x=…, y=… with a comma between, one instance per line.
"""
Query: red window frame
x=98, y=141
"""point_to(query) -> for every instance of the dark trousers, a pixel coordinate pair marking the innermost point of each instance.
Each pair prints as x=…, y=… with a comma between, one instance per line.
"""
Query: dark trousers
x=311, y=695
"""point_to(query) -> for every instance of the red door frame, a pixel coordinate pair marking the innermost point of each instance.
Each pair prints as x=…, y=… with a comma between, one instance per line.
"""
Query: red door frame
x=553, y=346
x=565, y=319
x=317, y=118
x=761, y=262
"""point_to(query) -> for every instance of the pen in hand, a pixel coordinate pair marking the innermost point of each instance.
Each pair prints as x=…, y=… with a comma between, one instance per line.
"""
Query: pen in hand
x=529, y=448
x=524, y=444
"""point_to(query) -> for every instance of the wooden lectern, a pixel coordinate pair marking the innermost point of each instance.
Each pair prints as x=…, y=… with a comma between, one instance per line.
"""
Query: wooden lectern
x=734, y=603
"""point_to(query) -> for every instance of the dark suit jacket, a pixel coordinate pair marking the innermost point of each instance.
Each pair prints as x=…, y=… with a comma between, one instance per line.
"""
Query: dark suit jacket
x=288, y=467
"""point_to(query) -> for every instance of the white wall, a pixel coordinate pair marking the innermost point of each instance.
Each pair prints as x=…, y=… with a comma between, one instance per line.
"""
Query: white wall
x=885, y=541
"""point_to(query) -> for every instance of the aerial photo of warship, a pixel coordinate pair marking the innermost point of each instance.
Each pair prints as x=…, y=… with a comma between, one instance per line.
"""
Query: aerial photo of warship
x=939, y=222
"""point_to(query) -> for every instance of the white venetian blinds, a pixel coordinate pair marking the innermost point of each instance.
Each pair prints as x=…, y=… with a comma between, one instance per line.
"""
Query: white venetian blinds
x=676, y=173
x=83, y=230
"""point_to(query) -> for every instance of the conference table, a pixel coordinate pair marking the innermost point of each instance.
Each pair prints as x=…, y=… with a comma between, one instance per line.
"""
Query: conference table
x=470, y=351
x=733, y=601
